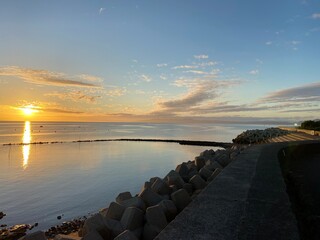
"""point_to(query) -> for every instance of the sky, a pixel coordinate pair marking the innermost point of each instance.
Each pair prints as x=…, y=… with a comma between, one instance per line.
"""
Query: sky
x=182, y=61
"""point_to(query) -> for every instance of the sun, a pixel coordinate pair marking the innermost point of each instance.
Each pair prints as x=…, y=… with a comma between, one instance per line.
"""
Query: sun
x=29, y=110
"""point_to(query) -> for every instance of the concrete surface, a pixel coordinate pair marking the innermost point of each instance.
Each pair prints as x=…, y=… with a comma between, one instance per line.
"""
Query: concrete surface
x=248, y=200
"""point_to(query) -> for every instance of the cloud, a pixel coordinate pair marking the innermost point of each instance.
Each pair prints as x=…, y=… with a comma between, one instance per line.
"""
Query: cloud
x=117, y=92
x=60, y=110
x=269, y=43
x=185, y=67
x=75, y=96
x=90, y=78
x=163, y=77
x=196, y=72
x=254, y=72
x=162, y=65
x=207, y=64
x=315, y=16
x=43, y=77
x=305, y=93
x=101, y=10
x=145, y=78
x=259, y=61
x=201, y=56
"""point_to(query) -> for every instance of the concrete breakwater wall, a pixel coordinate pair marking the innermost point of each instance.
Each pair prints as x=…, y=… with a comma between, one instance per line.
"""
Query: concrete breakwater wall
x=146, y=214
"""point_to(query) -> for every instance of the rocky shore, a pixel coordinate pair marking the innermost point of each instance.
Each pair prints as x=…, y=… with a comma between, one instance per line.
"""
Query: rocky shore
x=143, y=215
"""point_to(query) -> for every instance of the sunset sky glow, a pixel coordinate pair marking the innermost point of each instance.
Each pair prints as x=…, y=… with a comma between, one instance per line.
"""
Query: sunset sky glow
x=160, y=61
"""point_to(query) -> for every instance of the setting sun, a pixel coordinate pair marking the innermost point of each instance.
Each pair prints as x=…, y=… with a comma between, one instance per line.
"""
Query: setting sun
x=29, y=110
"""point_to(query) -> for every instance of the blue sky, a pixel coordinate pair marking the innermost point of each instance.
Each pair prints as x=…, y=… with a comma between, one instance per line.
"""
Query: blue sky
x=165, y=61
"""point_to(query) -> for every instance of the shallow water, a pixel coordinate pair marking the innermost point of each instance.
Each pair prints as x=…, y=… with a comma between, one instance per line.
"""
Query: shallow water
x=40, y=182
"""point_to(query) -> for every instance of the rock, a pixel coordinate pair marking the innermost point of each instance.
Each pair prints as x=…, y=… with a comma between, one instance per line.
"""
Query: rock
x=149, y=197
x=2, y=215
x=169, y=208
x=132, y=218
x=93, y=235
x=59, y=217
x=197, y=182
x=160, y=186
x=149, y=232
x=156, y=217
x=66, y=237
x=174, y=178
x=39, y=235
x=134, y=202
x=183, y=170
x=126, y=235
x=115, y=211
x=123, y=196
x=214, y=174
x=205, y=173
x=181, y=199
x=114, y=226
x=199, y=162
x=188, y=187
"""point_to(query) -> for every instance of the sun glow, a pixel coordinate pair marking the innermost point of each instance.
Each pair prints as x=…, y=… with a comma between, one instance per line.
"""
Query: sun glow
x=26, y=140
x=29, y=110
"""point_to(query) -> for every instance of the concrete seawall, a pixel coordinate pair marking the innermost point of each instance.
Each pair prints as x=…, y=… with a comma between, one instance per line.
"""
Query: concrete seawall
x=248, y=200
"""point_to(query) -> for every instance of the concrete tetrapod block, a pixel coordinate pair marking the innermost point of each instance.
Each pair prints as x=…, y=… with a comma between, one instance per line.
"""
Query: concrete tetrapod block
x=169, y=209
x=200, y=162
x=181, y=199
x=114, y=226
x=66, y=237
x=183, y=170
x=197, y=182
x=96, y=223
x=134, y=202
x=149, y=232
x=212, y=165
x=132, y=218
x=123, y=196
x=223, y=159
x=174, y=178
x=150, y=197
x=205, y=173
x=214, y=174
x=93, y=235
x=188, y=187
x=155, y=216
x=39, y=235
x=160, y=186
x=126, y=235
x=115, y=211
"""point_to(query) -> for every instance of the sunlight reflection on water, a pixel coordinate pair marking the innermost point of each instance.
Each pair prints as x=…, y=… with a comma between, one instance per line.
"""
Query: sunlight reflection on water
x=26, y=140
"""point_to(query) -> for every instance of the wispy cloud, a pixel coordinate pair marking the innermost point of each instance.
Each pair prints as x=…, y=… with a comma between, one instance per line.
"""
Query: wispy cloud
x=196, y=72
x=90, y=78
x=268, y=43
x=101, y=10
x=207, y=64
x=254, y=72
x=305, y=93
x=145, y=78
x=75, y=96
x=315, y=16
x=185, y=67
x=162, y=65
x=43, y=77
x=116, y=92
x=201, y=56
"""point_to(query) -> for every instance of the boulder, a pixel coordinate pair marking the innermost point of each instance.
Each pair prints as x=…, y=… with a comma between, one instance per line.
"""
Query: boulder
x=149, y=232
x=132, y=218
x=126, y=235
x=156, y=217
x=199, y=162
x=39, y=235
x=66, y=237
x=214, y=174
x=149, y=197
x=160, y=186
x=115, y=211
x=197, y=182
x=123, y=196
x=169, y=209
x=205, y=173
x=134, y=202
x=181, y=199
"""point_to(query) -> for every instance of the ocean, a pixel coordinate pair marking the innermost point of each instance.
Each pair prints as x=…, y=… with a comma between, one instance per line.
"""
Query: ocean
x=39, y=182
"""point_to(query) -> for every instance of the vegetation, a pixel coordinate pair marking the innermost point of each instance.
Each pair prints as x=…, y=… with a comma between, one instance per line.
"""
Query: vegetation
x=311, y=125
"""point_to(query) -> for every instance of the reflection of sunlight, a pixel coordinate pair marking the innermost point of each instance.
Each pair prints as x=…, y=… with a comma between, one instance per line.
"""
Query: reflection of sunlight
x=26, y=141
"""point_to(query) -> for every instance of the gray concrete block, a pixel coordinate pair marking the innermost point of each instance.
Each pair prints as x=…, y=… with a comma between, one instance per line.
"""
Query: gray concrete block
x=114, y=226
x=39, y=235
x=132, y=218
x=205, y=173
x=169, y=209
x=199, y=162
x=123, y=196
x=126, y=235
x=93, y=235
x=66, y=237
x=214, y=174
x=197, y=182
x=134, y=202
x=155, y=216
x=149, y=232
x=188, y=187
x=181, y=199
x=159, y=186
x=149, y=197
x=115, y=211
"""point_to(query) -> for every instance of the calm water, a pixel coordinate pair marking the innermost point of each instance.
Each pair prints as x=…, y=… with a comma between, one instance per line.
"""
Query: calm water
x=40, y=182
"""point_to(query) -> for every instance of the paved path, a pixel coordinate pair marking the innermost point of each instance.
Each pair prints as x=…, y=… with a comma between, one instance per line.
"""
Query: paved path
x=294, y=136
x=247, y=200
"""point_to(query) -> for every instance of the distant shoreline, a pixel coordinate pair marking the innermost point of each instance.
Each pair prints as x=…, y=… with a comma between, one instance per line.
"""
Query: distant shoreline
x=181, y=142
